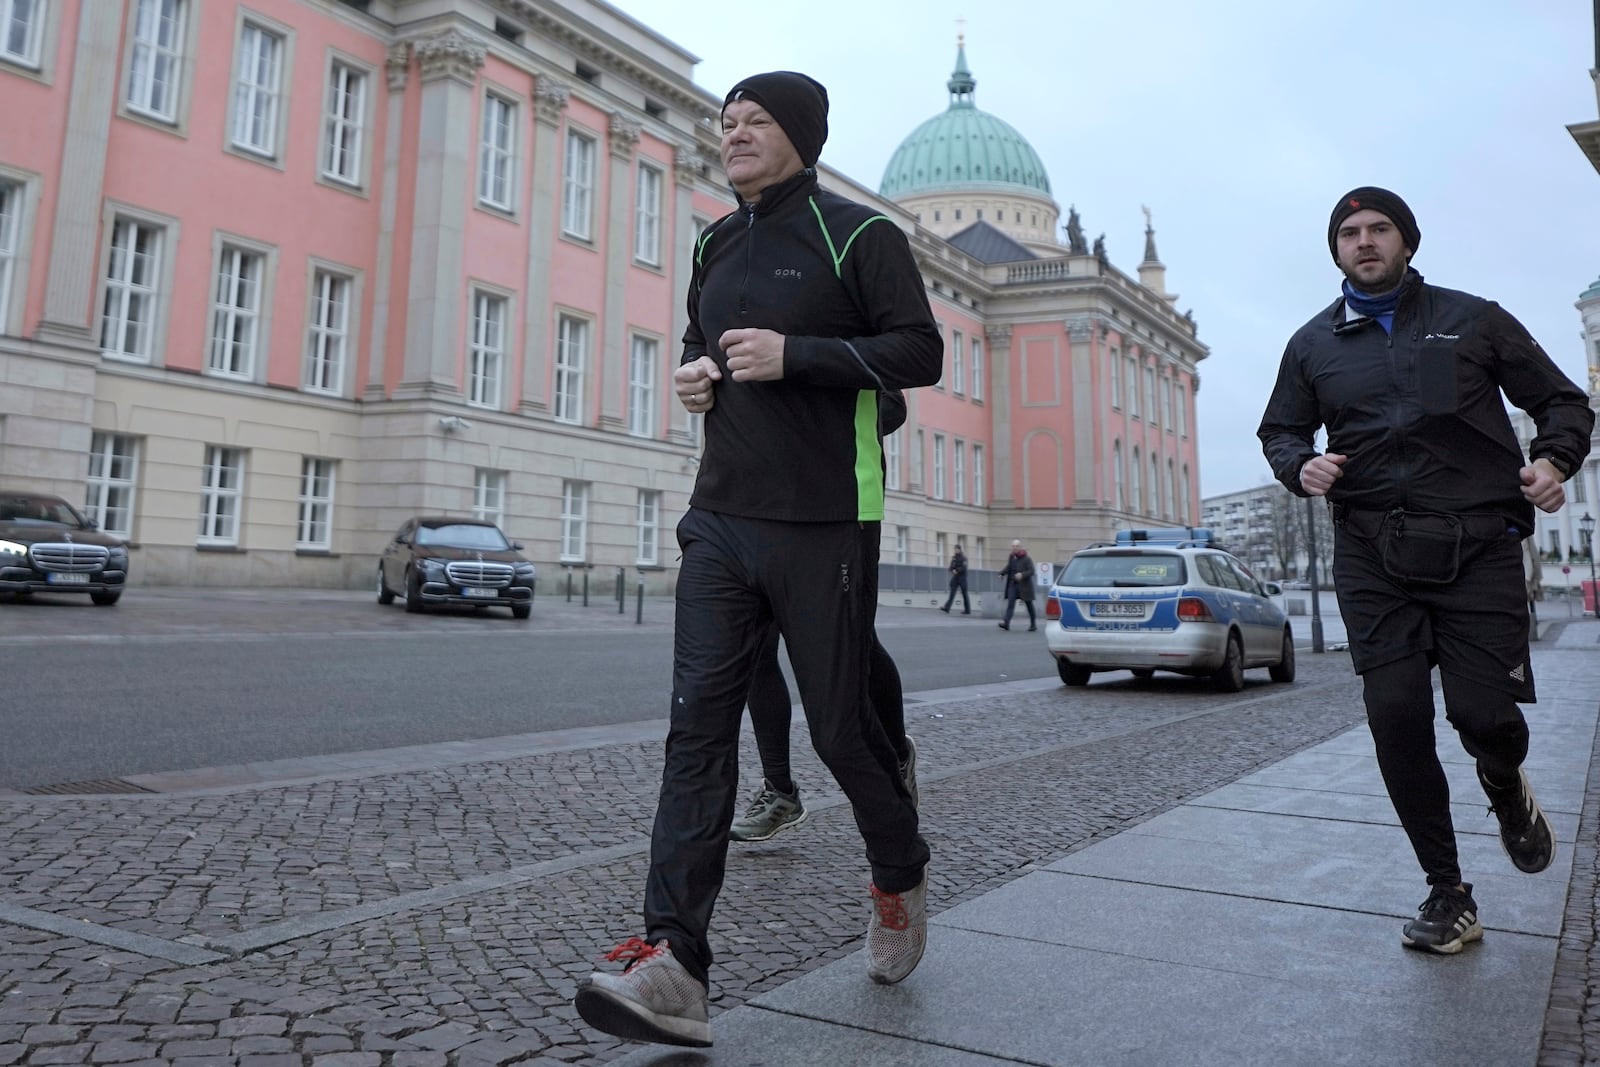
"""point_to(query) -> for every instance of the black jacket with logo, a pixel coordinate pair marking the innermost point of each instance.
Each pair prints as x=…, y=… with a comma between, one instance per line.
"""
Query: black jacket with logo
x=839, y=282
x=1419, y=411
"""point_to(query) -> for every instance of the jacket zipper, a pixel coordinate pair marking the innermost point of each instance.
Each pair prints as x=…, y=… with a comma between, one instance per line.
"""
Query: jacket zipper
x=749, y=238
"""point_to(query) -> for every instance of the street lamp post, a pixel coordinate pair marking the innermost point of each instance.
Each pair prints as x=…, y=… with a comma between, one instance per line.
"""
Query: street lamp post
x=1311, y=565
x=1586, y=524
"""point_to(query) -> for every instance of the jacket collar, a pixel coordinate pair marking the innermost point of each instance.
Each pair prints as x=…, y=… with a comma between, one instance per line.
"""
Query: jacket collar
x=779, y=193
x=1342, y=320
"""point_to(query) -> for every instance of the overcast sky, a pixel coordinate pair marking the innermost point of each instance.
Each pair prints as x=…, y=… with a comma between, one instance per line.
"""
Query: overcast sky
x=1239, y=123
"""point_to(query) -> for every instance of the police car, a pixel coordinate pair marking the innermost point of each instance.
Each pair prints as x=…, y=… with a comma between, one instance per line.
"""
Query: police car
x=1165, y=600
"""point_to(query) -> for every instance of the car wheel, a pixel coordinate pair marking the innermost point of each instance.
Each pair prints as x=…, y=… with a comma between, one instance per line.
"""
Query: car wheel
x=385, y=594
x=521, y=611
x=1230, y=676
x=1072, y=673
x=1144, y=673
x=413, y=592
x=106, y=598
x=1283, y=670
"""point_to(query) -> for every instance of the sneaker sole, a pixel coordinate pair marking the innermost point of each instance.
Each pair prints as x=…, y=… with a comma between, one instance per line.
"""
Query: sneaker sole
x=1449, y=948
x=774, y=832
x=1538, y=817
x=889, y=978
x=634, y=1022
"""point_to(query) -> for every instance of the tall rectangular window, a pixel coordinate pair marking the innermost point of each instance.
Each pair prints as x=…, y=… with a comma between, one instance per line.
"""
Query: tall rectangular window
x=574, y=521
x=647, y=521
x=1183, y=411
x=221, y=493
x=1166, y=402
x=127, y=318
x=1133, y=386
x=489, y=495
x=919, y=459
x=938, y=466
x=497, y=152
x=344, y=123
x=960, y=472
x=236, y=313
x=572, y=354
x=977, y=369
x=10, y=225
x=902, y=544
x=647, y=217
x=315, y=528
x=958, y=363
x=113, y=468
x=486, y=350
x=154, y=61
x=577, y=186
x=642, y=360
x=1150, y=411
x=1116, y=379
x=258, y=88
x=891, y=461
x=21, y=30
x=328, y=341
x=977, y=475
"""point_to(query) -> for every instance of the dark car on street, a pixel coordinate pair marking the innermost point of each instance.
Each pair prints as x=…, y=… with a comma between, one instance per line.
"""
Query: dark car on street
x=443, y=560
x=46, y=546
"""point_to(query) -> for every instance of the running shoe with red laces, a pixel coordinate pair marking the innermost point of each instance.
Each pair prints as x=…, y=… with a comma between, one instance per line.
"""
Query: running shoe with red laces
x=897, y=933
x=653, y=999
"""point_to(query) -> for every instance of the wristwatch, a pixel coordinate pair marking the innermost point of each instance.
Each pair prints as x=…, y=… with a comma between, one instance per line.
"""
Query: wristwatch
x=1561, y=468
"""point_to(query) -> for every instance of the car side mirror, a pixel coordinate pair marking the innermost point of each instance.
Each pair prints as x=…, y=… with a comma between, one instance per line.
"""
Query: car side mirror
x=1272, y=588
x=401, y=541
x=516, y=546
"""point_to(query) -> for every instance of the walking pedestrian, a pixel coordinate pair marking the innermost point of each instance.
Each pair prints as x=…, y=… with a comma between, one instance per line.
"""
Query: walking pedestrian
x=958, y=580
x=803, y=307
x=1018, y=575
x=776, y=805
x=1431, y=498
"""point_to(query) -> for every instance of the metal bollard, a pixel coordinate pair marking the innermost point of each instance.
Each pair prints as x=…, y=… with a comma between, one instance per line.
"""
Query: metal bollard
x=585, y=588
x=622, y=591
x=638, y=618
x=569, y=585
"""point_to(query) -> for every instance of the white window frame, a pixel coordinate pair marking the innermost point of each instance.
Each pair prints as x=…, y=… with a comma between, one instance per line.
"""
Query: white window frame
x=938, y=466
x=647, y=523
x=497, y=152
x=314, y=527
x=111, y=491
x=221, y=495
x=902, y=544
x=1183, y=410
x=489, y=495
x=644, y=354
x=977, y=369
x=958, y=472
x=156, y=29
x=31, y=24
x=1166, y=403
x=486, y=348
x=131, y=297
x=344, y=123
x=257, y=105
x=1116, y=380
x=892, y=462
x=1132, y=383
x=574, y=521
x=977, y=475
x=577, y=185
x=1152, y=413
x=328, y=332
x=11, y=199
x=238, y=326
x=647, y=215
x=572, y=357
x=958, y=364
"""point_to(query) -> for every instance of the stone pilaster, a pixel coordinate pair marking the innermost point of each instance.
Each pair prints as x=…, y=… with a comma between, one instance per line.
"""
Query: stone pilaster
x=999, y=338
x=613, y=378
x=397, y=72
x=685, y=169
x=449, y=64
x=69, y=298
x=550, y=100
x=1085, y=412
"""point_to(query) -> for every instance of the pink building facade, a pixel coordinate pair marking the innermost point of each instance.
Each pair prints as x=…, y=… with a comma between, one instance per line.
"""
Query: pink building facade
x=276, y=275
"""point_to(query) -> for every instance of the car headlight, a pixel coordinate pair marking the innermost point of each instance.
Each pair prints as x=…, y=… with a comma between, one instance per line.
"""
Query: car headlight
x=13, y=548
x=118, y=554
x=524, y=570
x=430, y=564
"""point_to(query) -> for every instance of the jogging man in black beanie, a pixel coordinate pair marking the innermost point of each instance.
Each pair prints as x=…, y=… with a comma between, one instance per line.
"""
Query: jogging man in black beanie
x=1431, y=498
x=803, y=308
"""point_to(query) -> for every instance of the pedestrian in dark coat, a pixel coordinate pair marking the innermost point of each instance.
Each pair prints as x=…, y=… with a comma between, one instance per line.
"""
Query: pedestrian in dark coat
x=958, y=580
x=1018, y=573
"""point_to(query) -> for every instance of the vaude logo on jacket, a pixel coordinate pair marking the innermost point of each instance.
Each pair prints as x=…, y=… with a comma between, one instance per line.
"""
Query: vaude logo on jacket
x=1442, y=337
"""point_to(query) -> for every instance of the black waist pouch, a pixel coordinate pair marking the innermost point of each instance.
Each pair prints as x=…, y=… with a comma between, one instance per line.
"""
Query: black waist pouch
x=1421, y=546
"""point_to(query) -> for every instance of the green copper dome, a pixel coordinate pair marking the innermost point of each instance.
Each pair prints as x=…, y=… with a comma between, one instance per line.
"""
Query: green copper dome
x=963, y=149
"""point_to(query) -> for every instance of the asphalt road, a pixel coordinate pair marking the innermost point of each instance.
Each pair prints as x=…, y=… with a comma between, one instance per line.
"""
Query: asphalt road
x=178, y=679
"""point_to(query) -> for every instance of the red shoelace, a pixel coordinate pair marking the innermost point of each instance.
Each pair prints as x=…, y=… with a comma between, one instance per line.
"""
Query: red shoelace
x=891, y=909
x=634, y=950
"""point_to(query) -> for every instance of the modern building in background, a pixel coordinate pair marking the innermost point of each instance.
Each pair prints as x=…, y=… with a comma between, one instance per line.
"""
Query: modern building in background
x=1266, y=528
x=276, y=275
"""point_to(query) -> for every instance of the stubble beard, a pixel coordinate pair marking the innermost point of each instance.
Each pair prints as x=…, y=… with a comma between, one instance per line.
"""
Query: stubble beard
x=1385, y=283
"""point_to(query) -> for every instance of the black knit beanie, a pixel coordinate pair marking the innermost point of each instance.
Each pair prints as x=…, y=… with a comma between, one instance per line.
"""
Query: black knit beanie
x=798, y=104
x=1384, y=203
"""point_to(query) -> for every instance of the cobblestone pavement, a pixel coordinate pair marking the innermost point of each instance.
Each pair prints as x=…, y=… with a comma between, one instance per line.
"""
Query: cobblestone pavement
x=442, y=915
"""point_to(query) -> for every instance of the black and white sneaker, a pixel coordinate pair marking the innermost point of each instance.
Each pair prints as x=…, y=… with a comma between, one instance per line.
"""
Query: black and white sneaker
x=1525, y=831
x=1447, y=921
